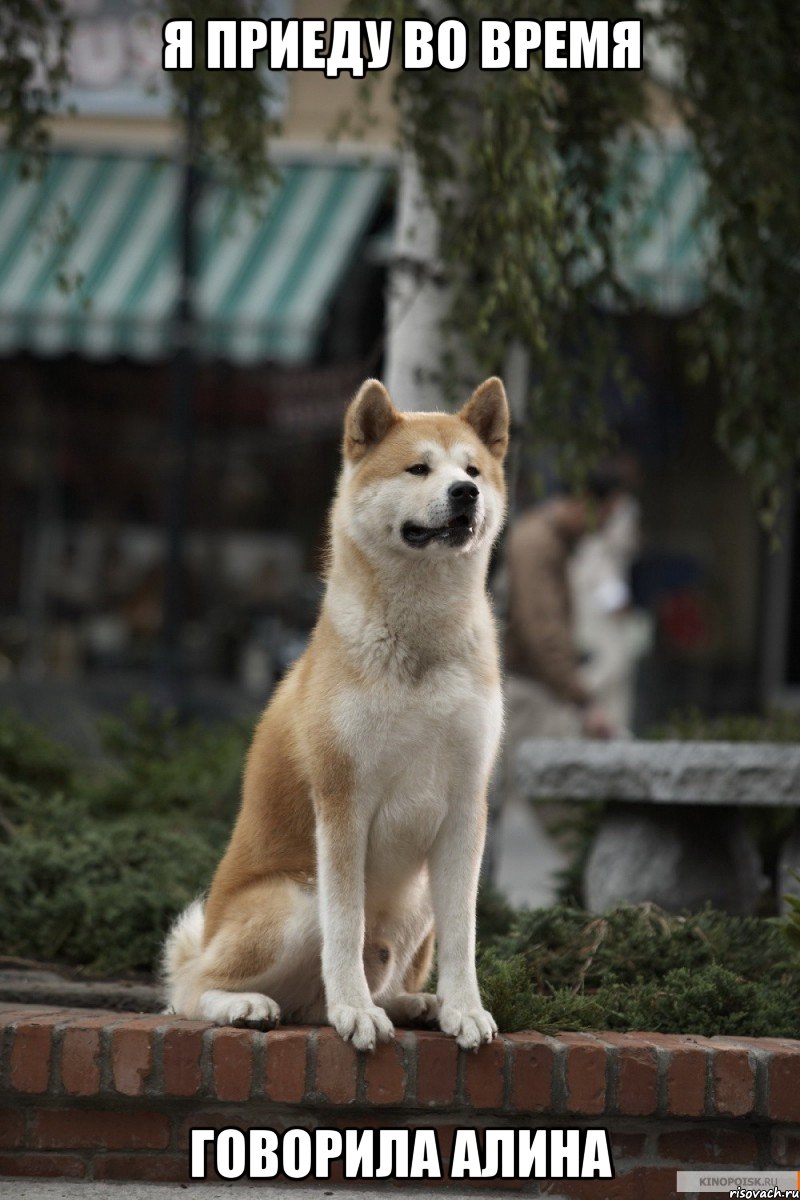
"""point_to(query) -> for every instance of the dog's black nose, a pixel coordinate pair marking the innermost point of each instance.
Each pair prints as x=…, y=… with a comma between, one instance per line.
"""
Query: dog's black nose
x=462, y=494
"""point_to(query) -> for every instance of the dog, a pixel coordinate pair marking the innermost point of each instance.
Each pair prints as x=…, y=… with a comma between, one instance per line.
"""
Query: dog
x=363, y=812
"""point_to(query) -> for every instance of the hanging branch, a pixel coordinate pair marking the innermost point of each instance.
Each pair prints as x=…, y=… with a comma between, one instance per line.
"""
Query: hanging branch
x=34, y=39
x=742, y=105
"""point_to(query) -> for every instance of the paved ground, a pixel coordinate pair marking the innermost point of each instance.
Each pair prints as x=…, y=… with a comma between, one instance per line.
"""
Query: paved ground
x=527, y=858
x=56, y=1189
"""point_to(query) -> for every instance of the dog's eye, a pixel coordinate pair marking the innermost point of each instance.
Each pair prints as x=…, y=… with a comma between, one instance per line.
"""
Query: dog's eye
x=472, y=471
x=419, y=469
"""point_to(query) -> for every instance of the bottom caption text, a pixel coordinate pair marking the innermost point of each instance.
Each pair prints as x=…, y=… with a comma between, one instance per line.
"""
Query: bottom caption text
x=401, y=1154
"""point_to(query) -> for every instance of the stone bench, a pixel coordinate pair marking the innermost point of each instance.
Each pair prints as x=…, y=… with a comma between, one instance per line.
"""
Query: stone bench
x=672, y=832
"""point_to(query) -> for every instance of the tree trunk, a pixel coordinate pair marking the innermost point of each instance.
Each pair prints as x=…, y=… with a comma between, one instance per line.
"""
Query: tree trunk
x=417, y=300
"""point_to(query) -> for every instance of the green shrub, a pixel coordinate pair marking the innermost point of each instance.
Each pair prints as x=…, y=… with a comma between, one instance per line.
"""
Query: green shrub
x=100, y=894
x=637, y=968
x=30, y=756
x=710, y=1002
x=692, y=725
x=792, y=922
x=160, y=765
x=567, y=947
x=95, y=863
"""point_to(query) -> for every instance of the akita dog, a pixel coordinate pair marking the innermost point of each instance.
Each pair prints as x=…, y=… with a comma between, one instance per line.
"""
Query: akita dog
x=363, y=814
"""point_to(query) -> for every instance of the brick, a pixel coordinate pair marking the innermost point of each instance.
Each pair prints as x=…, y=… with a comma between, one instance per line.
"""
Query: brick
x=722, y=1042
x=770, y=1044
x=444, y=1137
x=337, y=1069
x=68, y=1017
x=131, y=1059
x=734, y=1083
x=31, y=1054
x=253, y=1116
x=90, y=1019
x=628, y=1186
x=484, y=1082
x=385, y=1073
x=585, y=1074
x=182, y=1051
x=84, y=1129
x=437, y=1063
x=658, y=1183
x=285, y=1077
x=336, y=1175
x=151, y=1168
x=11, y=1013
x=785, y=1148
x=710, y=1146
x=627, y=1145
x=80, y=1061
x=516, y=1186
x=42, y=1166
x=687, y=1061
x=687, y=1071
x=12, y=1128
x=784, y=1085
x=219, y=1119
x=532, y=1060
x=637, y=1074
x=232, y=1063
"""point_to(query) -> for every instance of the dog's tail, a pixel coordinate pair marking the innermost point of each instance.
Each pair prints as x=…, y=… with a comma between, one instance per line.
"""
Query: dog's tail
x=182, y=950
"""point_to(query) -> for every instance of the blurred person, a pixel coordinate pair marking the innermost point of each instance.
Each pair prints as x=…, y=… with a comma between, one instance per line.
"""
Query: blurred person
x=611, y=634
x=547, y=695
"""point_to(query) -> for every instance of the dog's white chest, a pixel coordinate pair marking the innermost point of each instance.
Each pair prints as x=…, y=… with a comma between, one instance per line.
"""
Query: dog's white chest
x=415, y=751
x=392, y=731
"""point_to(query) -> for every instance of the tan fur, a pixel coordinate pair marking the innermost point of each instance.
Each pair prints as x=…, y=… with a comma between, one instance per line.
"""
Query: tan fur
x=260, y=932
x=417, y=974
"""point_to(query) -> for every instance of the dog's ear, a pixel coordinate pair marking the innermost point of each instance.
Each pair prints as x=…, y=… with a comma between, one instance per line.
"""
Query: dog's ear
x=487, y=412
x=369, y=418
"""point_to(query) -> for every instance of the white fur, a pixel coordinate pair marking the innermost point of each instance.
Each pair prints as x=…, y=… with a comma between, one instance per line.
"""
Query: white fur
x=239, y=1008
x=184, y=943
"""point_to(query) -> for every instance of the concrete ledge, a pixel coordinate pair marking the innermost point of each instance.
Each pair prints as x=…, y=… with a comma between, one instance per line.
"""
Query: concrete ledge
x=746, y=773
x=113, y=1096
x=47, y=988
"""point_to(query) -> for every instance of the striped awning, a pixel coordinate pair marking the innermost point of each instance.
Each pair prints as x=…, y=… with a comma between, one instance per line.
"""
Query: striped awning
x=89, y=257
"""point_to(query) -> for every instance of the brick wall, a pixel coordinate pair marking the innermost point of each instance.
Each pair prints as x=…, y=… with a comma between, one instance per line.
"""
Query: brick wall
x=104, y=1095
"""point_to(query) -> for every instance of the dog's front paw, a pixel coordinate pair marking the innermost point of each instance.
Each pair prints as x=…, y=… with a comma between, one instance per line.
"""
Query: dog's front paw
x=361, y=1026
x=469, y=1026
x=413, y=1006
x=249, y=1009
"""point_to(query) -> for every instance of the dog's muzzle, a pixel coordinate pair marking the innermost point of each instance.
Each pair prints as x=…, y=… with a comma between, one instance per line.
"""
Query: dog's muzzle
x=462, y=498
